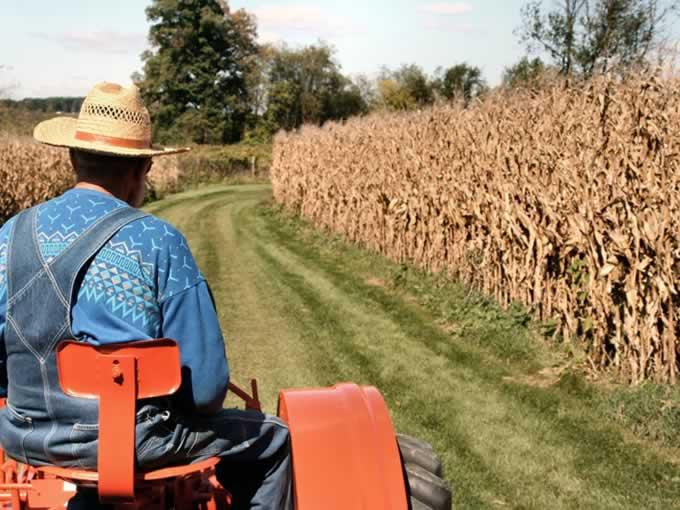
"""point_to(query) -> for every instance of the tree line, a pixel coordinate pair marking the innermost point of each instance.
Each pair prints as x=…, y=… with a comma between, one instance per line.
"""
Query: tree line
x=46, y=104
x=206, y=79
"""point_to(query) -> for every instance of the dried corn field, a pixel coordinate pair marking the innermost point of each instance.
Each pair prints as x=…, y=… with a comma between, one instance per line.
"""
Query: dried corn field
x=565, y=200
x=30, y=173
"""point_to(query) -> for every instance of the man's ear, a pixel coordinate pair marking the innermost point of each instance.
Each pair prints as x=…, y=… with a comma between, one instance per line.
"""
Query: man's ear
x=72, y=157
x=143, y=169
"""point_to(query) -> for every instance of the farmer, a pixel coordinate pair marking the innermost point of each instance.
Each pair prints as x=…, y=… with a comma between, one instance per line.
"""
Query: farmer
x=89, y=265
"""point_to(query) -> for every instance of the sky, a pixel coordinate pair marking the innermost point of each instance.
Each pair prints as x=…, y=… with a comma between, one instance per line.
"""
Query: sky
x=50, y=48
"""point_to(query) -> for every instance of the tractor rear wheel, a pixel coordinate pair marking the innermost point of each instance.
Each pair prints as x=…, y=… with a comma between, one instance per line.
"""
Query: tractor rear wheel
x=423, y=473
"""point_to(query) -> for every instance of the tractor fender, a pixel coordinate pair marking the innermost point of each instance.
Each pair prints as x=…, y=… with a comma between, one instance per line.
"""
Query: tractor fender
x=344, y=449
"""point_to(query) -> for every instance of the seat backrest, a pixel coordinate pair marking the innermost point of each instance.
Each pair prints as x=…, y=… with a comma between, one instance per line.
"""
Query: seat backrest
x=118, y=375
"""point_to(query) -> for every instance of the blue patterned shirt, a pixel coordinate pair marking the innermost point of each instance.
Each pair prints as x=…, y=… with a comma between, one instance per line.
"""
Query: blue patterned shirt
x=144, y=283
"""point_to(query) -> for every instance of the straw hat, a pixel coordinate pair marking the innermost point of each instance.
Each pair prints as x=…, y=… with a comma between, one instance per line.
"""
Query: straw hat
x=113, y=120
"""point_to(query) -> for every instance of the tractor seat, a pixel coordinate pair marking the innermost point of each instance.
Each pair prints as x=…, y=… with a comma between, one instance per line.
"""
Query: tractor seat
x=90, y=478
x=119, y=375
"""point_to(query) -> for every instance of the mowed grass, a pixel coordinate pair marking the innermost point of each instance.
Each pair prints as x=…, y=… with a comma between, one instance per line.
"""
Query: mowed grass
x=515, y=423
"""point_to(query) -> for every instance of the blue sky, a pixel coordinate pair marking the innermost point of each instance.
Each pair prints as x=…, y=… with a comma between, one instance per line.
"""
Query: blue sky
x=51, y=47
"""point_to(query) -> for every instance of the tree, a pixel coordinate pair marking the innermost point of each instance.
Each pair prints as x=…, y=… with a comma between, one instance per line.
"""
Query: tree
x=461, y=81
x=588, y=36
x=406, y=88
x=554, y=32
x=298, y=86
x=394, y=96
x=418, y=85
x=367, y=88
x=342, y=100
x=623, y=32
x=194, y=79
x=524, y=72
x=258, y=78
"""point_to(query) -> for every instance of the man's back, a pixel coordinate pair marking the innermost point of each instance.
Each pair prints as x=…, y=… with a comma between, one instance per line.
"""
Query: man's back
x=88, y=266
x=143, y=283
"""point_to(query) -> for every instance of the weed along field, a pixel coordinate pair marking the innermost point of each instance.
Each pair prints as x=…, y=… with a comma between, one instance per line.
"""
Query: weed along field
x=516, y=425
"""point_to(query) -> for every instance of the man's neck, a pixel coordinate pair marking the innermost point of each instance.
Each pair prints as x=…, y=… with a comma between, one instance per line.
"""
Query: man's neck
x=96, y=187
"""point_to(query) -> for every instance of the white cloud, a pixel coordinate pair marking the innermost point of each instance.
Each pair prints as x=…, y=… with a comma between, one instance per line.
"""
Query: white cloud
x=276, y=21
x=109, y=42
x=447, y=8
x=445, y=16
x=447, y=25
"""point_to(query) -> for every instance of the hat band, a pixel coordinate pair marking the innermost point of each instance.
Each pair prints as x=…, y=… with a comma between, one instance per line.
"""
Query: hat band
x=126, y=143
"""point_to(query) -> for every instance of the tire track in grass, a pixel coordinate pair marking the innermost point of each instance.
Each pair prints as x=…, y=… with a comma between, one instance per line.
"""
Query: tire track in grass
x=259, y=345
x=266, y=346
x=162, y=208
x=425, y=413
x=298, y=317
x=338, y=359
x=351, y=356
x=566, y=475
x=428, y=410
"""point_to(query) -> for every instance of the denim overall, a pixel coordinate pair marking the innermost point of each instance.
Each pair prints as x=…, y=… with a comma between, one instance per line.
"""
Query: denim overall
x=40, y=424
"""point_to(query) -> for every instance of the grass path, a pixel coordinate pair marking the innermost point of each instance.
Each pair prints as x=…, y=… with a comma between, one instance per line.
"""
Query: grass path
x=298, y=309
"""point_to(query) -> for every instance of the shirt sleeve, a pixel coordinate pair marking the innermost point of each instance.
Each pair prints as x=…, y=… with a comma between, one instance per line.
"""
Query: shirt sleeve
x=190, y=318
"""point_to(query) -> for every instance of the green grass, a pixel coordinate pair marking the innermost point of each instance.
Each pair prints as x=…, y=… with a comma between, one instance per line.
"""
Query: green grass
x=208, y=163
x=237, y=164
x=514, y=419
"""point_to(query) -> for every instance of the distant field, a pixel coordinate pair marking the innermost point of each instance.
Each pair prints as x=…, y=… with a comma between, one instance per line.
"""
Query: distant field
x=517, y=425
x=19, y=122
x=31, y=173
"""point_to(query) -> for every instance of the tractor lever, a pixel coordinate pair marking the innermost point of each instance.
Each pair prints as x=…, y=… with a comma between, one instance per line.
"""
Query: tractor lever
x=252, y=402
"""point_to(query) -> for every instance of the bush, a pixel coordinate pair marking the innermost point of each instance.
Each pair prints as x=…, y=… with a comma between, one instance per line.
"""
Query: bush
x=209, y=164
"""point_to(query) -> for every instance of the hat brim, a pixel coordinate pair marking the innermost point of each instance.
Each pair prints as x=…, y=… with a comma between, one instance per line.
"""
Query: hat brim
x=60, y=132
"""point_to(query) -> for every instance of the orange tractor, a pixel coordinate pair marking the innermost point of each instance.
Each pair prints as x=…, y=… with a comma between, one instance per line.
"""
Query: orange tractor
x=345, y=452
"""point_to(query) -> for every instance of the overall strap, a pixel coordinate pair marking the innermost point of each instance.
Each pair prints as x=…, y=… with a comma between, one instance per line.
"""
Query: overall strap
x=24, y=263
x=27, y=264
x=68, y=264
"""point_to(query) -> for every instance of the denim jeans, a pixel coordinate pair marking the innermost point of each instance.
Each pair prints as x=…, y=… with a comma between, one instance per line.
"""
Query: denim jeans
x=254, y=448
